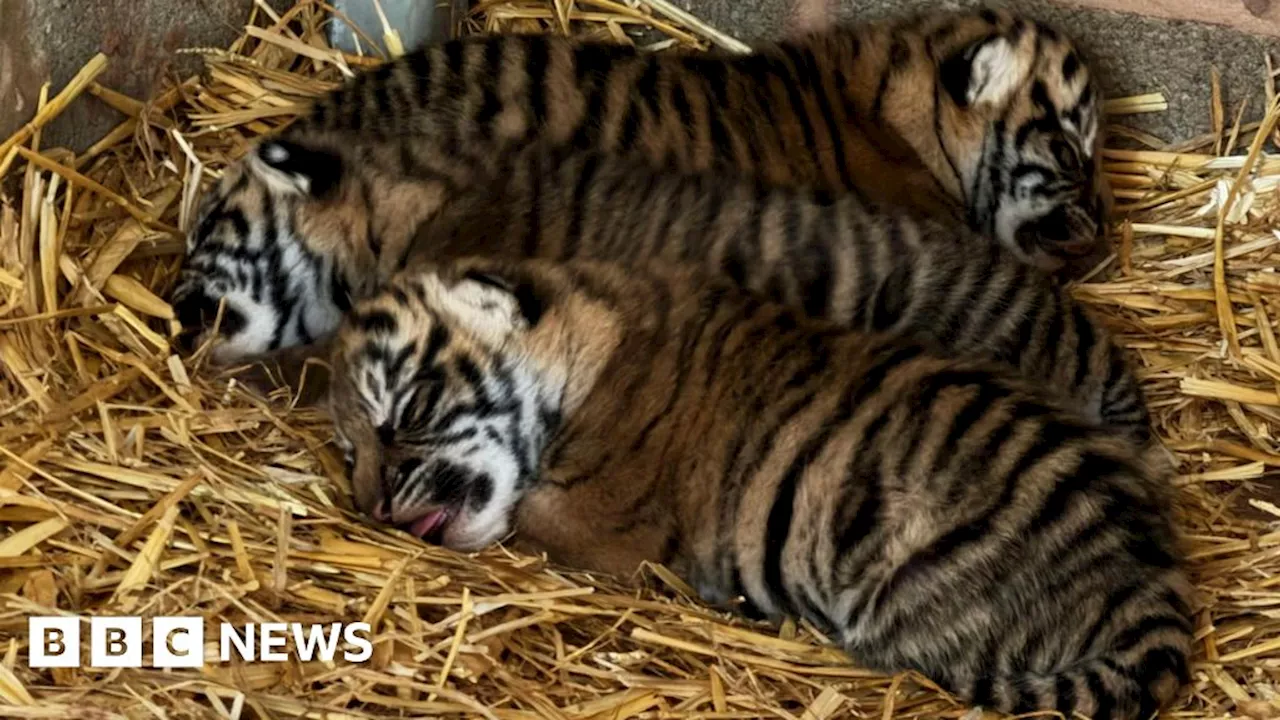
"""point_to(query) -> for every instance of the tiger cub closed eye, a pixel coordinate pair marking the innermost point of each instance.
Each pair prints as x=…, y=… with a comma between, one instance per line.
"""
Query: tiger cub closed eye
x=929, y=513
x=980, y=118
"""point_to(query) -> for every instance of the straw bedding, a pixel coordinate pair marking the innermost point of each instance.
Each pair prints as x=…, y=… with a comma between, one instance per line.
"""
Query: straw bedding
x=132, y=482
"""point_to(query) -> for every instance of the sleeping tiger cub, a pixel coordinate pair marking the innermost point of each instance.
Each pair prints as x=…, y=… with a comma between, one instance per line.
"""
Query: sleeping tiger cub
x=834, y=257
x=982, y=117
x=930, y=513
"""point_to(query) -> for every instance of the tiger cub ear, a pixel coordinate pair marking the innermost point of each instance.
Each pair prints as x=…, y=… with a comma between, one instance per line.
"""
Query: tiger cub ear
x=986, y=72
x=490, y=306
x=291, y=167
x=527, y=301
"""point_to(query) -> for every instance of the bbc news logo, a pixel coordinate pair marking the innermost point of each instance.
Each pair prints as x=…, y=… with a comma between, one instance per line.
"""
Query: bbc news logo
x=179, y=642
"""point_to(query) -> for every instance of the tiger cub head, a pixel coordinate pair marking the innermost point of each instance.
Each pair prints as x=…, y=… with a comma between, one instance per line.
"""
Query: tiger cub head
x=1019, y=125
x=446, y=387
x=284, y=239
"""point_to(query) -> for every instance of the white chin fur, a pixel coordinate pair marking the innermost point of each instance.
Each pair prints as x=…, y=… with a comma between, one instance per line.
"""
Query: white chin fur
x=1007, y=225
x=475, y=528
x=254, y=338
x=469, y=532
x=478, y=527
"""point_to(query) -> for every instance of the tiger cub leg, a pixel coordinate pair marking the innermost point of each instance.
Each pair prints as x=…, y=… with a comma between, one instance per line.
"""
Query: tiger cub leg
x=302, y=370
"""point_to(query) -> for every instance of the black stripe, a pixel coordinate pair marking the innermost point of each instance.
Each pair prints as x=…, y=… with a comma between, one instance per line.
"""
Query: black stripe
x=714, y=79
x=533, y=232
x=1028, y=321
x=862, y=473
x=865, y=258
x=1139, y=631
x=743, y=467
x=593, y=64
x=490, y=76
x=646, y=87
x=815, y=268
x=631, y=119
x=805, y=63
x=419, y=64
x=536, y=60
x=1104, y=704
x=994, y=173
x=1084, y=343
x=1148, y=548
x=573, y=234
x=964, y=535
x=450, y=124
x=375, y=321
x=890, y=301
x=982, y=691
x=1155, y=664
x=899, y=53
x=239, y=224
x=1070, y=65
x=778, y=528
x=792, y=79
x=998, y=310
x=680, y=101
x=874, y=376
x=1092, y=471
x=1027, y=700
x=278, y=278
x=339, y=291
x=437, y=338
x=1065, y=690
x=975, y=409
x=1158, y=661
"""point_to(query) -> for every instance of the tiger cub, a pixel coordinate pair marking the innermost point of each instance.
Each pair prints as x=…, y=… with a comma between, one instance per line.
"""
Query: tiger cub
x=932, y=514
x=832, y=256
x=984, y=118
x=982, y=115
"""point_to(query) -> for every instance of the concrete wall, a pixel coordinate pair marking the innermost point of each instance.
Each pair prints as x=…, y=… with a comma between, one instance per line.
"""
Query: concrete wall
x=52, y=39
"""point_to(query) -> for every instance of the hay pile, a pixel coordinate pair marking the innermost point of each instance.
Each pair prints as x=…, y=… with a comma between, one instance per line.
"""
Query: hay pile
x=134, y=483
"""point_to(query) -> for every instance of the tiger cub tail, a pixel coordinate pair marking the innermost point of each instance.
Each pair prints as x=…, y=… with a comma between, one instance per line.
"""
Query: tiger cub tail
x=1138, y=671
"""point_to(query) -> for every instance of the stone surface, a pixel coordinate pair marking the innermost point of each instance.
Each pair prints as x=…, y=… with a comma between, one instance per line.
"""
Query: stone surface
x=1132, y=54
x=44, y=40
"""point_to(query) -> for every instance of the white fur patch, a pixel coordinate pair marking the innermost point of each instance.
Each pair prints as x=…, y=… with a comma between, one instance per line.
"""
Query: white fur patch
x=490, y=314
x=276, y=179
x=275, y=153
x=996, y=71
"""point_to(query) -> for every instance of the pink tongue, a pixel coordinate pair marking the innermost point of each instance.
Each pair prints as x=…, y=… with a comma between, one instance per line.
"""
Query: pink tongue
x=425, y=524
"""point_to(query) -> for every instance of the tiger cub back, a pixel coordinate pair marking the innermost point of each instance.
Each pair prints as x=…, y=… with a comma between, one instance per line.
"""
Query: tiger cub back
x=986, y=116
x=836, y=257
x=833, y=256
x=929, y=513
